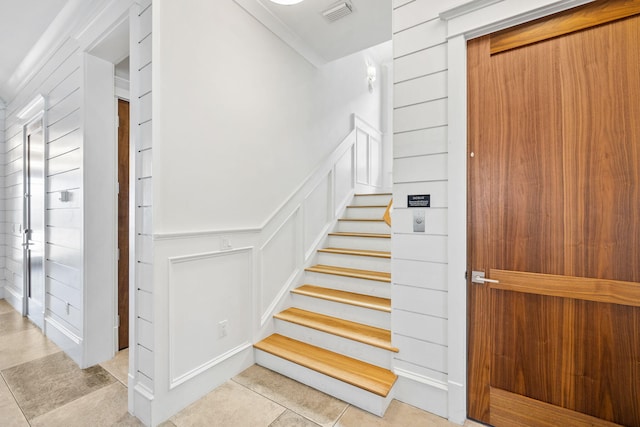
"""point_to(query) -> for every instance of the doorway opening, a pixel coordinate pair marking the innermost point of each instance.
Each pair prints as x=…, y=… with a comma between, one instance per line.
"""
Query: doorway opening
x=34, y=221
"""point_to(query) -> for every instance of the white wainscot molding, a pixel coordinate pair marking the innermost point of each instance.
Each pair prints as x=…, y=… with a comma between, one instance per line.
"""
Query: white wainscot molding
x=210, y=304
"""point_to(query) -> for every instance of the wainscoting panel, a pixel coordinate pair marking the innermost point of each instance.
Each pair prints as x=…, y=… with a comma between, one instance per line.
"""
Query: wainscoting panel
x=316, y=212
x=278, y=263
x=343, y=177
x=210, y=310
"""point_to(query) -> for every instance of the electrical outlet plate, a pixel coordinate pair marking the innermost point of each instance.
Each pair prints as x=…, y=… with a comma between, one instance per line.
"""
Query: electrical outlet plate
x=222, y=329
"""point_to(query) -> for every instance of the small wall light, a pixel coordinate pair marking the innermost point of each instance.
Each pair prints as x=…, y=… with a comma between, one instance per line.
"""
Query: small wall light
x=65, y=196
x=371, y=75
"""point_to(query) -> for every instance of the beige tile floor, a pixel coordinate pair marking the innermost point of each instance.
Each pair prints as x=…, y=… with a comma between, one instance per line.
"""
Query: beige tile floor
x=40, y=386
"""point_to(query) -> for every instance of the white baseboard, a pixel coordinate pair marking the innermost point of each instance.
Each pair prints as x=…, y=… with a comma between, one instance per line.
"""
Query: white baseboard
x=66, y=340
x=425, y=393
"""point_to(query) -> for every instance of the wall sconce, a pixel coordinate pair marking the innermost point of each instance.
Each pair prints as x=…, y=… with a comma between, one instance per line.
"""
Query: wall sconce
x=65, y=196
x=371, y=75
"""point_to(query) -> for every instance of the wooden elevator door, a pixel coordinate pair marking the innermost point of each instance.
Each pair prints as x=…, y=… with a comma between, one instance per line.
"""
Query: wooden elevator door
x=554, y=218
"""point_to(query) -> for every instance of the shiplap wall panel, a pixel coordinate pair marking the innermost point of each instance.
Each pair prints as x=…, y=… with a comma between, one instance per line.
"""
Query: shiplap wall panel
x=69, y=237
x=418, y=300
x=145, y=49
x=64, y=162
x=70, y=257
x=417, y=38
x=71, y=80
x=145, y=79
x=64, y=274
x=420, y=352
x=68, y=218
x=141, y=113
x=414, y=13
x=419, y=267
x=422, y=63
x=145, y=334
x=431, y=167
x=59, y=81
x=145, y=305
x=424, y=274
x=65, y=180
x=414, y=91
x=420, y=247
x=421, y=326
x=420, y=142
x=69, y=104
x=423, y=115
x=145, y=136
x=64, y=292
x=65, y=143
x=65, y=125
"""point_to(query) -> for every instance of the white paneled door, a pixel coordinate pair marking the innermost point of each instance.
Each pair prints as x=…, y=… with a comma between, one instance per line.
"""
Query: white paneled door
x=33, y=236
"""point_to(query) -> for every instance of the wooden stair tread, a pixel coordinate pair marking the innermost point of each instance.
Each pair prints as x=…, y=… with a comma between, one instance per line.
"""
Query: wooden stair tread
x=351, y=234
x=363, y=375
x=374, y=194
x=367, y=206
x=365, y=334
x=351, y=298
x=380, y=276
x=360, y=252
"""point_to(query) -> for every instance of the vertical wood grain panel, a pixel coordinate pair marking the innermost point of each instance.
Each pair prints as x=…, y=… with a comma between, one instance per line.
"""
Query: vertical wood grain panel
x=602, y=150
x=554, y=185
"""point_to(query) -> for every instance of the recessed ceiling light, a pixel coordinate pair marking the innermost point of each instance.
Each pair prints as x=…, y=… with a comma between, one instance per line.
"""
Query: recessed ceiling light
x=286, y=2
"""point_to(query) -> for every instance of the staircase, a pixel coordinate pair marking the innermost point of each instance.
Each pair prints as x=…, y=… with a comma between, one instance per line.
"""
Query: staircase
x=336, y=337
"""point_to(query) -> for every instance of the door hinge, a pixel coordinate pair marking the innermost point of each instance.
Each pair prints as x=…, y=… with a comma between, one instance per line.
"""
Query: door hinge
x=118, y=184
x=118, y=254
x=466, y=275
x=118, y=321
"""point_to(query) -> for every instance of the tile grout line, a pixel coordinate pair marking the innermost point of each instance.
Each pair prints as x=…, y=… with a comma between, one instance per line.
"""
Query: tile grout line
x=286, y=407
x=14, y=397
x=342, y=414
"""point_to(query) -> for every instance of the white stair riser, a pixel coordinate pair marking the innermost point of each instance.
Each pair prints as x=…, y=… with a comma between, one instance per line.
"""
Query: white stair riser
x=349, y=284
x=377, y=318
x=354, y=349
x=348, y=242
x=361, y=398
x=378, y=227
x=355, y=261
x=372, y=200
x=365, y=213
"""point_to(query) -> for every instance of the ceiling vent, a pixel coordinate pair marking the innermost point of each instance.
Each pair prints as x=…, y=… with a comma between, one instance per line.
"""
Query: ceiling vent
x=338, y=10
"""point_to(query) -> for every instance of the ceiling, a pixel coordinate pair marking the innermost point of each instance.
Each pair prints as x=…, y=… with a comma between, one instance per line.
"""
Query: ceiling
x=325, y=41
x=22, y=22
x=302, y=26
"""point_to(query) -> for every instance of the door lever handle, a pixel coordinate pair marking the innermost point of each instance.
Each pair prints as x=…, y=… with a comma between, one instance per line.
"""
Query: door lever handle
x=478, y=277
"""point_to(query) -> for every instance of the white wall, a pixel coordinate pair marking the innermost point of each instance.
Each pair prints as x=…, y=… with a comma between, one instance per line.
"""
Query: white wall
x=429, y=299
x=235, y=104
